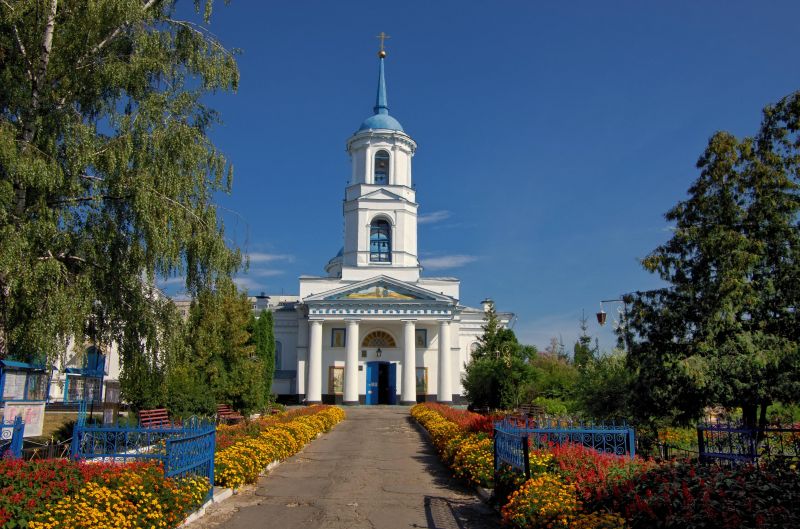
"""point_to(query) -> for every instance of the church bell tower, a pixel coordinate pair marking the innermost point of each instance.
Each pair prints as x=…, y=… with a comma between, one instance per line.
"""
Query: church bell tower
x=380, y=209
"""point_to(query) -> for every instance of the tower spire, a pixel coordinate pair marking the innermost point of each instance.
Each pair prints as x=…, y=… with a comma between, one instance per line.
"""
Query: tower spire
x=381, y=102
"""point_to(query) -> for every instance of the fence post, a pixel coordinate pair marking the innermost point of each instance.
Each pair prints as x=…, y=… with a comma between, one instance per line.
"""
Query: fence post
x=525, y=457
x=494, y=451
x=632, y=440
x=17, y=435
x=74, y=447
x=701, y=444
x=213, y=453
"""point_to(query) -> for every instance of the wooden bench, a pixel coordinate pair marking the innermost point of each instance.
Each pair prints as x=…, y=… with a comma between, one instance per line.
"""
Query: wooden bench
x=226, y=414
x=156, y=418
x=530, y=410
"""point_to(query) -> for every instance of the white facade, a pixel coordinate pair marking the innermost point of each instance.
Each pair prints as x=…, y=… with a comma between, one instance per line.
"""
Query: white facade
x=373, y=330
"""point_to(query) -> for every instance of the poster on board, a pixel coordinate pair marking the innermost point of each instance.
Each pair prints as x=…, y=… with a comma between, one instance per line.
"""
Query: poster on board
x=32, y=415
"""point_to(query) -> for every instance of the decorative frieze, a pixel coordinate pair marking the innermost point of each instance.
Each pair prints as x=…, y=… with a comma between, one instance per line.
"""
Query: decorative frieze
x=357, y=311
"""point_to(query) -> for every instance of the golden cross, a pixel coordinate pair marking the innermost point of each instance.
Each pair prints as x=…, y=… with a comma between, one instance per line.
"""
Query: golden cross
x=383, y=36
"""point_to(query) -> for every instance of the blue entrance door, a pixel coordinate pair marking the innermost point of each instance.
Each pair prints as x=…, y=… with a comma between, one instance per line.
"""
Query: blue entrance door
x=392, y=384
x=372, y=382
x=381, y=383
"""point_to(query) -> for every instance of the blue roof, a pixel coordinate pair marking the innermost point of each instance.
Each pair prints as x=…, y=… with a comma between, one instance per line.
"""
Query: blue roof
x=381, y=119
x=21, y=365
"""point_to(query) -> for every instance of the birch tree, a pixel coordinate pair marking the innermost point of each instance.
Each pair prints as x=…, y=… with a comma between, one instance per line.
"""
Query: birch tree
x=107, y=173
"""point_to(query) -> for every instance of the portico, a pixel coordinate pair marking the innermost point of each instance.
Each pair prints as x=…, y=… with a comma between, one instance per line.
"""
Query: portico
x=381, y=320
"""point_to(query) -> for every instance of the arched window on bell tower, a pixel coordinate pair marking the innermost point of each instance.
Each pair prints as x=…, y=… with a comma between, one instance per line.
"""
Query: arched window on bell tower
x=380, y=242
x=381, y=172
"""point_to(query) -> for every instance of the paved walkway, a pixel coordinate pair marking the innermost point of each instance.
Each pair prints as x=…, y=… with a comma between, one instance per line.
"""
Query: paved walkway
x=374, y=470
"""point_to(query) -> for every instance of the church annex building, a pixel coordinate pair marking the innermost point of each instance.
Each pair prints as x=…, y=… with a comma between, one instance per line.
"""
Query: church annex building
x=373, y=331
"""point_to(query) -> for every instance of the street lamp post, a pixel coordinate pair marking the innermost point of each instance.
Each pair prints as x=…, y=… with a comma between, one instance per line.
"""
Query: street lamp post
x=602, y=316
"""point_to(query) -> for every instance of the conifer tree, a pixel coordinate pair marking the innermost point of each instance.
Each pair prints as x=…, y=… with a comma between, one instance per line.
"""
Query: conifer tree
x=725, y=329
x=583, y=352
x=265, y=349
x=498, y=374
x=222, y=349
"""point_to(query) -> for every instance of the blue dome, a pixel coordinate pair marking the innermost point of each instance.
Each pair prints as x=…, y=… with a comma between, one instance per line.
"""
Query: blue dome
x=381, y=121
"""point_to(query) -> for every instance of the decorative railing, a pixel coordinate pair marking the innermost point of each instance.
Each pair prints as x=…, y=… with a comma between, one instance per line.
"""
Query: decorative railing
x=514, y=436
x=610, y=437
x=11, y=436
x=192, y=454
x=511, y=448
x=739, y=444
x=182, y=449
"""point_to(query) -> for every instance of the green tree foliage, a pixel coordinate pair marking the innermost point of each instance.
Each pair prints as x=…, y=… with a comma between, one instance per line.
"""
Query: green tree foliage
x=222, y=354
x=725, y=330
x=498, y=375
x=555, y=376
x=107, y=173
x=583, y=351
x=603, y=389
x=143, y=382
x=264, y=340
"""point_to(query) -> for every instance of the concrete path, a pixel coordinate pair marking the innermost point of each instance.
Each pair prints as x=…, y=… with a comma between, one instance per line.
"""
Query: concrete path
x=374, y=470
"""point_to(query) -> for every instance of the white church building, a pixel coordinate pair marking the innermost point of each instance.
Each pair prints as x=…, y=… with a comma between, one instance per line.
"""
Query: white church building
x=373, y=330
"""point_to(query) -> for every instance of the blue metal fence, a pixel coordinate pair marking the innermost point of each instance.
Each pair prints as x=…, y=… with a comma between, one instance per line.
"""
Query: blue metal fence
x=513, y=436
x=11, y=436
x=182, y=449
x=511, y=448
x=736, y=443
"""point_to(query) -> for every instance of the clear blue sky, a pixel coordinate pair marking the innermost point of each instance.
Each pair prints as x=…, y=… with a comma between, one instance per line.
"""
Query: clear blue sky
x=552, y=136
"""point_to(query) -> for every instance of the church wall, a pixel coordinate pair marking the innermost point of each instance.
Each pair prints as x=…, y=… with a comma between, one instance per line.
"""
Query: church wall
x=317, y=285
x=284, y=382
x=447, y=286
x=401, y=167
x=359, y=163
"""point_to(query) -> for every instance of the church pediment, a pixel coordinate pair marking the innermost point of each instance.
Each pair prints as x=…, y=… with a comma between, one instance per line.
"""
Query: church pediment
x=381, y=194
x=380, y=289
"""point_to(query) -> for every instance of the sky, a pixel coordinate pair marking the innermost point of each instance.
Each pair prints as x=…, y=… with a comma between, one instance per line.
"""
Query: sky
x=552, y=136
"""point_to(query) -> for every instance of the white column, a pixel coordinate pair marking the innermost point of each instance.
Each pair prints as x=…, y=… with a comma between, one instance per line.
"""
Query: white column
x=351, y=364
x=302, y=355
x=408, y=393
x=314, y=393
x=444, y=383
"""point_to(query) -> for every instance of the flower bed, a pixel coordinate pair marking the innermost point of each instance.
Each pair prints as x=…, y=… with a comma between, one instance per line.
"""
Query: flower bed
x=683, y=495
x=468, y=454
x=575, y=487
x=55, y=494
x=230, y=434
x=562, y=476
x=248, y=449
